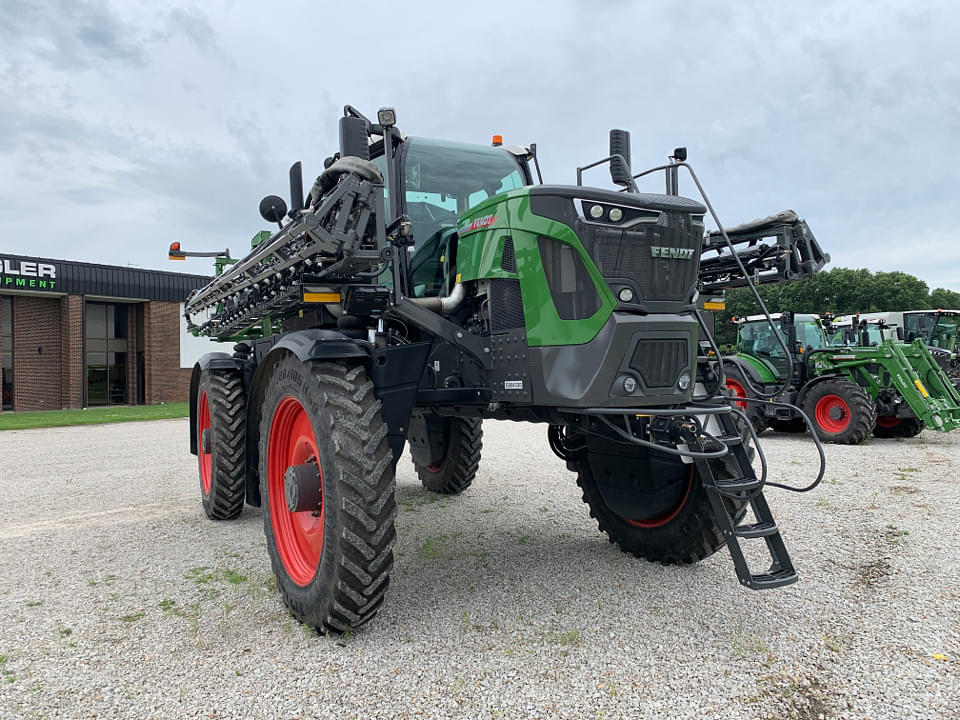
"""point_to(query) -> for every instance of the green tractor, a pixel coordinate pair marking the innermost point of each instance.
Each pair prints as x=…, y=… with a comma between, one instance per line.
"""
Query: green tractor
x=857, y=382
x=424, y=286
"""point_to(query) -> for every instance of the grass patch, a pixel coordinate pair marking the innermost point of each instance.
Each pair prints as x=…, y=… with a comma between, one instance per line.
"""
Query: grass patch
x=92, y=416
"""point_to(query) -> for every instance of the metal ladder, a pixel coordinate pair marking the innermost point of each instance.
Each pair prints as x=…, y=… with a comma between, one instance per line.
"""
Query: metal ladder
x=745, y=487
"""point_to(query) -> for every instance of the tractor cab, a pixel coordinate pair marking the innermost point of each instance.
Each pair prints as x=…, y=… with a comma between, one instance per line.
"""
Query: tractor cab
x=757, y=343
x=937, y=328
x=861, y=331
x=440, y=181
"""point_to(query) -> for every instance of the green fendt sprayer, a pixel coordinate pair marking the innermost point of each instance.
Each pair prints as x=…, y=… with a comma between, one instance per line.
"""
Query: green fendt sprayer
x=423, y=286
x=859, y=381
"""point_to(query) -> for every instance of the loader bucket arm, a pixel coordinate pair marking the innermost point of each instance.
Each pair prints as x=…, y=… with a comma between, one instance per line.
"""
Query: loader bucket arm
x=778, y=248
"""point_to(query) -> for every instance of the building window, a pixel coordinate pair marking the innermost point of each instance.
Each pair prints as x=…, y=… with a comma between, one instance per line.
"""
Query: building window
x=106, y=341
x=6, y=352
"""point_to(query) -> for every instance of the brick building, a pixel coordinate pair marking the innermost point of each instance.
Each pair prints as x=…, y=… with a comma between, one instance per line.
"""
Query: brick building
x=75, y=334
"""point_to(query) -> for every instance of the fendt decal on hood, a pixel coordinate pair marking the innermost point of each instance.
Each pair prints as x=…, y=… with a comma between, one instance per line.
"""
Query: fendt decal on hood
x=479, y=223
x=672, y=252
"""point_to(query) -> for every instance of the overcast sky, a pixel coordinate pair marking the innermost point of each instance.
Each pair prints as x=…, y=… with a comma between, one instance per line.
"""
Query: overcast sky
x=125, y=126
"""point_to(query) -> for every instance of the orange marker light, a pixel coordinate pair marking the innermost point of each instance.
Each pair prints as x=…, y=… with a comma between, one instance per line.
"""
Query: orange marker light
x=497, y=140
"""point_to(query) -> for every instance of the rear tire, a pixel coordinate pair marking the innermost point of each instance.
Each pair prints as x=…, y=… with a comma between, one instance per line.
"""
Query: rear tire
x=221, y=415
x=890, y=427
x=684, y=533
x=457, y=469
x=841, y=411
x=332, y=565
x=737, y=387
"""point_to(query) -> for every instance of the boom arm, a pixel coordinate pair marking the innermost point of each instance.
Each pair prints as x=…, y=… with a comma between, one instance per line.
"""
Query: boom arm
x=777, y=248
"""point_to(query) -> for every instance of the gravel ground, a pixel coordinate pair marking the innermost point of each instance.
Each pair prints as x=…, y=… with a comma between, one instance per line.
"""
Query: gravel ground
x=119, y=599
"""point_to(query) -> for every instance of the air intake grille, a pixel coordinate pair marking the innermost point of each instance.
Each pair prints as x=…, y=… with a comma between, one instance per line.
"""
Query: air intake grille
x=508, y=260
x=634, y=254
x=660, y=362
x=506, y=306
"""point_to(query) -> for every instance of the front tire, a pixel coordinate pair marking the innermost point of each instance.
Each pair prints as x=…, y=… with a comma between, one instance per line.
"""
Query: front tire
x=678, y=527
x=841, y=411
x=332, y=564
x=221, y=443
x=892, y=427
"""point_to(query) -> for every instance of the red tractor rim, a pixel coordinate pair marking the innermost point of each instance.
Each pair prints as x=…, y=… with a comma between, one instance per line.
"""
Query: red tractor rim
x=662, y=520
x=832, y=413
x=738, y=390
x=885, y=421
x=298, y=535
x=206, y=458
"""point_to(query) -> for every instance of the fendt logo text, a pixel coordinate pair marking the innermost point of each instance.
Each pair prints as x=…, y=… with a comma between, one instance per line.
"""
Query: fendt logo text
x=672, y=252
x=27, y=274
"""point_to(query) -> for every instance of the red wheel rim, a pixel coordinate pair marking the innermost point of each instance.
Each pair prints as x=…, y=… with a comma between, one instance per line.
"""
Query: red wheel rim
x=298, y=535
x=205, y=458
x=885, y=421
x=832, y=413
x=662, y=520
x=739, y=391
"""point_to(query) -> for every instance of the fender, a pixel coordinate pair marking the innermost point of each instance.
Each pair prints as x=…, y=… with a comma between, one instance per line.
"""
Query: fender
x=307, y=345
x=747, y=369
x=212, y=361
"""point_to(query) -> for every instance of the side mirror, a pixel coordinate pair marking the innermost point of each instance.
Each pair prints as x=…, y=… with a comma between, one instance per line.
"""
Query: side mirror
x=353, y=138
x=620, y=171
x=273, y=209
x=296, y=187
x=899, y=333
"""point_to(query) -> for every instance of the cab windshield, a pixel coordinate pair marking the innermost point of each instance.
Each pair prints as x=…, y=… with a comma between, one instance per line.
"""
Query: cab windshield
x=443, y=179
x=945, y=332
x=757, y=337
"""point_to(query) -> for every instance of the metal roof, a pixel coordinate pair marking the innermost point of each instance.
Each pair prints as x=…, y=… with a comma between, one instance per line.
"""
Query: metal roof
x=21, y=273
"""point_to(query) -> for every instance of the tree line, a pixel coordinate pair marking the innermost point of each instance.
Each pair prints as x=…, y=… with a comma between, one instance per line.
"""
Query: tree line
x=840, y=291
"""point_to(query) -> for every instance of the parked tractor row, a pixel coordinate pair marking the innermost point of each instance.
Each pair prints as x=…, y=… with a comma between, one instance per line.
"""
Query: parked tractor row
x=852, y=376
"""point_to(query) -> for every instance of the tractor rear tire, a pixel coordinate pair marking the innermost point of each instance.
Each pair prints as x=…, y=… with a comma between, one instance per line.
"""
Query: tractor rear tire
x=221, y=416
x=737, y=387
x=841, y=411
x=458, y=468
x=685, y=534
x=890, y=427
x=332, y=564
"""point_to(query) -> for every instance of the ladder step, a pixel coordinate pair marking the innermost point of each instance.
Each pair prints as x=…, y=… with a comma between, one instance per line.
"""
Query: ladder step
x=756, y=530
x=738, y=484
x=730, y=439
x=770, y=580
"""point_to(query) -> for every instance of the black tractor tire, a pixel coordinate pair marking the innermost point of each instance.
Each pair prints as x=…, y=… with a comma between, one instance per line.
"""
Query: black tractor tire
x=841, y=411
x=458, y=468
x=737, y=386
x=332, y=564
x=221, y=416
x=686, y=534
x=795, y=425
x=887, y=427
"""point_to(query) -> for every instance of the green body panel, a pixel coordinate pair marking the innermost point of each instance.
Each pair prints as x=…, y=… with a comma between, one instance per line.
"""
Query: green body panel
x=479, y=254
x=765, y=370
x=905, y=368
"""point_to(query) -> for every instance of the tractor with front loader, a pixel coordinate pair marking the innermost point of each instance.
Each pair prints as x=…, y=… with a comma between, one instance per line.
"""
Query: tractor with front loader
x=869, y=382
x=423, y=286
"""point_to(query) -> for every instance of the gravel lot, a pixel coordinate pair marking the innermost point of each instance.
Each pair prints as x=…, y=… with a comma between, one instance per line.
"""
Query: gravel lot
x=119, y=599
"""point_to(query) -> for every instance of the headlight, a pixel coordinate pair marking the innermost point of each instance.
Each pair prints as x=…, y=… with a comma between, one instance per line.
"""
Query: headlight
x=683, y=382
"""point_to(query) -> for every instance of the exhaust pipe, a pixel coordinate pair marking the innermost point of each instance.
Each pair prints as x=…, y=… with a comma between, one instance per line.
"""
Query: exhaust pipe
x=443, y=305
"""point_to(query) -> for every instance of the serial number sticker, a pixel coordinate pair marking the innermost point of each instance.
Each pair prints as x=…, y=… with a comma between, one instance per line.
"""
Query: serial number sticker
x=513, y=384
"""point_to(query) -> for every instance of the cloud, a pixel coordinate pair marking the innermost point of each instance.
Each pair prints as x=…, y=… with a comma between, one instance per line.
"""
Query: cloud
x=122, y=126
